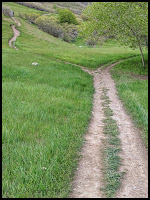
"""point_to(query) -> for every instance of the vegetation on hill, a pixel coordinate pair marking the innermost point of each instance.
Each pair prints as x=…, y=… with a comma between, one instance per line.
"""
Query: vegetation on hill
x=128, y=22
x=66, y=16
x=75, y=7
x=46, y=108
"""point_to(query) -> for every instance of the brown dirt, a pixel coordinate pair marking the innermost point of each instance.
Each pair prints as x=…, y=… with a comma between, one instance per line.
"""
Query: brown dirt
x=89, y=176
x=142, y=77
x=16, y=33
x=134, y=154
x=16, y=21
x=88, y=180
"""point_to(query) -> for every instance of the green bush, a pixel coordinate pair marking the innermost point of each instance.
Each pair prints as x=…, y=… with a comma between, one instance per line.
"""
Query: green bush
x=36, y=5
x=31, y=17
x=66, y=15
x=49, y=26
x=84, y=17
x=6, y=11
x=67, y=32
x=70, y=32
x=54, y=18
x=91, y=41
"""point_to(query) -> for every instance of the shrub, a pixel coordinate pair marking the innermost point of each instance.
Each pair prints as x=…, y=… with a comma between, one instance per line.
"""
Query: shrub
x=31, y=17
x=36, y=5
x=54, y=18
x=84, y=17
x=70, y=32
x=91, y=41
x=66, y=15
x=6, y=11
x=49, y=26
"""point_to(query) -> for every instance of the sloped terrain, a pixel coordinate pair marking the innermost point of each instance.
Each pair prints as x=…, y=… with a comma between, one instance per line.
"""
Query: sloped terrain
x=47, y=111
x=76, y=7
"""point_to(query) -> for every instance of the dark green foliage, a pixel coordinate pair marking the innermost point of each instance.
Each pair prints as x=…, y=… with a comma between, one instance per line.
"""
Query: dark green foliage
x=67, y=32
x=91, y=41
x=66, y=15
x=31, y=17
x=50, y=26
x=70, y=32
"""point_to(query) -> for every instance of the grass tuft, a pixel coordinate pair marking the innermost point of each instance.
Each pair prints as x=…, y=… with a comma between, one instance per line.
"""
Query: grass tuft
x=111, y=159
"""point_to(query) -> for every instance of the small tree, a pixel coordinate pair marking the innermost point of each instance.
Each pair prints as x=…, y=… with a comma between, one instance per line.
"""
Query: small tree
x=66, y=15
x=127, y=21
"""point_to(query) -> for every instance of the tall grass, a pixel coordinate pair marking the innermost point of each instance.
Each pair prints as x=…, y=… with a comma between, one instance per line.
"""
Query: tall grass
x=45, y=112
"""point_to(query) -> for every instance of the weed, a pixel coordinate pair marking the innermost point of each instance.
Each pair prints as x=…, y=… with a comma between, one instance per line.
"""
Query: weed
x=107, y=111
x=112, y=161
x=114, y=141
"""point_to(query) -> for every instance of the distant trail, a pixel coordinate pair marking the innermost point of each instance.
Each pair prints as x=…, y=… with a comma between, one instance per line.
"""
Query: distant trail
x=16, y=33
x=46, y=14
x=88, y=180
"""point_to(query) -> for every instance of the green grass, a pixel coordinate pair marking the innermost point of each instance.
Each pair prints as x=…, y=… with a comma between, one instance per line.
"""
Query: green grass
x=52, y=47
x=89, y=57
x=112, y=148
x=21, y=9
x=45, y=108
x=45, y=112
x=133, y=91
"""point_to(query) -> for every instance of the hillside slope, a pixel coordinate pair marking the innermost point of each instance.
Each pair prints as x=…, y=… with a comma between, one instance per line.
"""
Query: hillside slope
x=76, y=7
x=46, y=108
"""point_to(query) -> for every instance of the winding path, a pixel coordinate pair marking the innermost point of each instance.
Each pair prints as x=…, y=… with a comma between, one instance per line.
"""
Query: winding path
x=16, y=33
x=88, y=180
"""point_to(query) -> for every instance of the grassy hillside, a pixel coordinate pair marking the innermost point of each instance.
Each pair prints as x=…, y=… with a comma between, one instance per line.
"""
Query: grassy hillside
x=76, y=7
x=46, y=108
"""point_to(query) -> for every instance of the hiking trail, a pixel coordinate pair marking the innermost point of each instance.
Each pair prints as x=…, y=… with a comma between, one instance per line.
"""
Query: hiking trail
x=88, y=180
x=16, y=33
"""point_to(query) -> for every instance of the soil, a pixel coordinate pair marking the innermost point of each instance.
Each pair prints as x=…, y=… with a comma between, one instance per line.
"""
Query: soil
x=142, y=77
x=88, y=180
x=16, y=33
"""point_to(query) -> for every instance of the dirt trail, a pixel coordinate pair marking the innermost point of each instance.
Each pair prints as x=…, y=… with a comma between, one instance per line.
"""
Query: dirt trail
x=88, y=180
x=16, y=33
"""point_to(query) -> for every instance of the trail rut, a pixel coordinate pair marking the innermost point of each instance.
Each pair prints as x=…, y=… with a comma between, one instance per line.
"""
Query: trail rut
x=88, y=180
x=16, y=33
